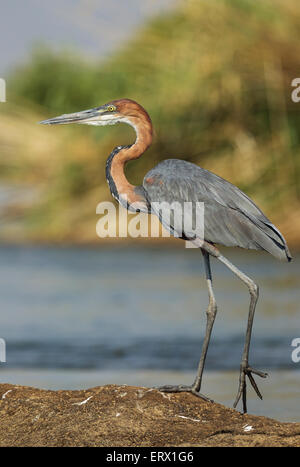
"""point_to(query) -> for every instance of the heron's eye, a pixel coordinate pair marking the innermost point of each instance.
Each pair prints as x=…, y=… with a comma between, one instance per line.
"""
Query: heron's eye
x=110, y=108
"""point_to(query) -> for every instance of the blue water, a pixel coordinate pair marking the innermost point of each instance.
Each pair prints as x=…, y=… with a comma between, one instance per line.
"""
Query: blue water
x=140, y=313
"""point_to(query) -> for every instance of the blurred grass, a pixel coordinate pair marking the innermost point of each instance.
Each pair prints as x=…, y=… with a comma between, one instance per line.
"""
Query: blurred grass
x=215, y=77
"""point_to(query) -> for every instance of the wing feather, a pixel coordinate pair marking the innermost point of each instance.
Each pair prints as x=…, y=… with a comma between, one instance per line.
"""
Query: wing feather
x=231, y=218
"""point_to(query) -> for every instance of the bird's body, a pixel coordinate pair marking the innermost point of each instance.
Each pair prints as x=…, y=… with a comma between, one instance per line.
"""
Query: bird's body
x=231, y=218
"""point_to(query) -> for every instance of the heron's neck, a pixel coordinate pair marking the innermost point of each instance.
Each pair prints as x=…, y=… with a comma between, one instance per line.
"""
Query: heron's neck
x=120, y=187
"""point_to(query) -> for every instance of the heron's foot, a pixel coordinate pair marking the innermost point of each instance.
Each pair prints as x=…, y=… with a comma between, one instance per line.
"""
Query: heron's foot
x=183, y=388
x=242, y=392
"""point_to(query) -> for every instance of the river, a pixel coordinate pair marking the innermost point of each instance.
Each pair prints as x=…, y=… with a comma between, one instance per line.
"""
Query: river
x=80, y=317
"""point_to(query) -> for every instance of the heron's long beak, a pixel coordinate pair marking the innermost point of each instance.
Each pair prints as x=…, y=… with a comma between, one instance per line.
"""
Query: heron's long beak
x=86, y=116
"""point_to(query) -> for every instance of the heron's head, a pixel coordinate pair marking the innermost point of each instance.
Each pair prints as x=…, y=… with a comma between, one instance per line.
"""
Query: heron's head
x=117, y=111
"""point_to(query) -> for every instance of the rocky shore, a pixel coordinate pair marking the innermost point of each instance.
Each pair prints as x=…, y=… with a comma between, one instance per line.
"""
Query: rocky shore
x=130, y=416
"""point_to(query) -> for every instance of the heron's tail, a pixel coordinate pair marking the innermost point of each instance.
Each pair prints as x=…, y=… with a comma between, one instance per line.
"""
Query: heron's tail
x=274, y=241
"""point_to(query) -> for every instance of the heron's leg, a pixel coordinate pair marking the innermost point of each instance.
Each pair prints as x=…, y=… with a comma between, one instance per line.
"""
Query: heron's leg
x=210, y=319
x=211, y=314
x=245, y=369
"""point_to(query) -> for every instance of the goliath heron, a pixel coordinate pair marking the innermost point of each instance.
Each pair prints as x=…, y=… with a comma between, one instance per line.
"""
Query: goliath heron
x=230, y=217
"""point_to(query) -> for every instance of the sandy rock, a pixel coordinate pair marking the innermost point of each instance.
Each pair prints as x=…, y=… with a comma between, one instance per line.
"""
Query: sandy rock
x=130, y=416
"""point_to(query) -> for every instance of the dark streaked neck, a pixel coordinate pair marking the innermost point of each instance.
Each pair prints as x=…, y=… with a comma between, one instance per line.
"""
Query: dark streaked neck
x=120, y=187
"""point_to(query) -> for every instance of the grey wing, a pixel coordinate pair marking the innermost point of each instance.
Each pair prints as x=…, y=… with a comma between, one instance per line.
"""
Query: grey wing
x=231, y=218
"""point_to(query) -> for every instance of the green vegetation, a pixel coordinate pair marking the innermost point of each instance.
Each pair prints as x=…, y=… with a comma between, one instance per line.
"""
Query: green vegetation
x=215, y=77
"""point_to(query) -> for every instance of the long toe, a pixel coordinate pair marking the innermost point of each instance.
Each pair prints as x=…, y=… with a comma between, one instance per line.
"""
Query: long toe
x=262, y=374
x=242, y=391
x=183, y=388
x=174, y=388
